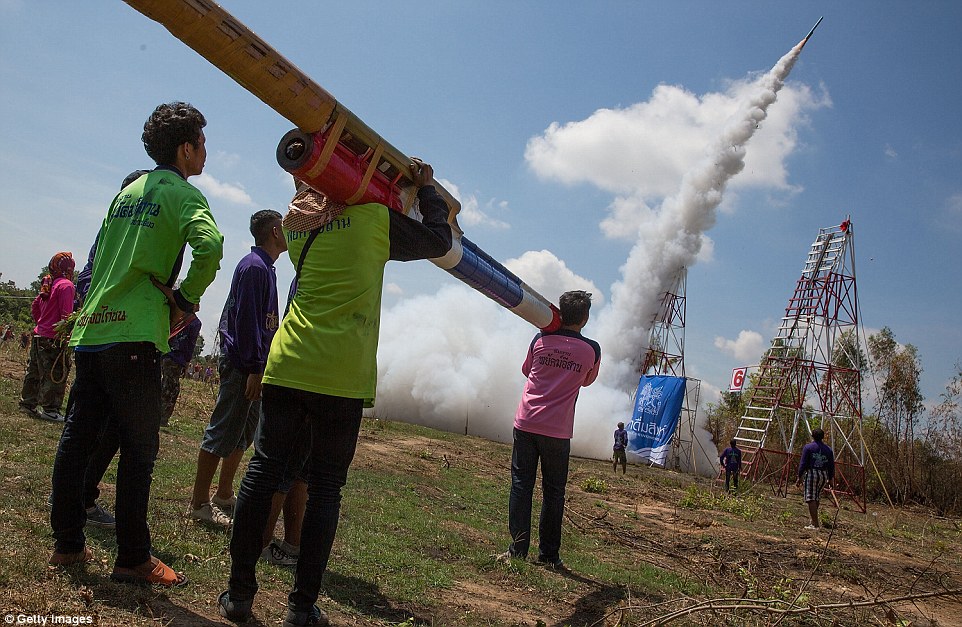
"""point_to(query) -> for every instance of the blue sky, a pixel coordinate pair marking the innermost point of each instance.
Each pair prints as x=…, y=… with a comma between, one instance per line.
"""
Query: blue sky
x=562, y=127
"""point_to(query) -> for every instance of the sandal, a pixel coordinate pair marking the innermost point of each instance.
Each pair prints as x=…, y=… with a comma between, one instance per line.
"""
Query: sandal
x=69, y=559
x=161, y=575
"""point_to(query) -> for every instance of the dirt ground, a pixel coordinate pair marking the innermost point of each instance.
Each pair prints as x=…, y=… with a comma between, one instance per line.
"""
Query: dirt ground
x=742, y=554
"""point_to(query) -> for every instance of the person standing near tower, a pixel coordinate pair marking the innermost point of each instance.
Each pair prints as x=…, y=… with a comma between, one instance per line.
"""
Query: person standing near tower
x=619, y=449
x=816, y=469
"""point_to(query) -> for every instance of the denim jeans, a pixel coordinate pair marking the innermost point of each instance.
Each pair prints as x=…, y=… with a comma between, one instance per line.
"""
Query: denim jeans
x=234, y=418
x=120, y=383
x=335, y=423
x=553, y=453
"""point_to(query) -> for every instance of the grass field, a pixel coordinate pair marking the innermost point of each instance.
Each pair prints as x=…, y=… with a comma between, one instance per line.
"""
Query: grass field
x=425, y=511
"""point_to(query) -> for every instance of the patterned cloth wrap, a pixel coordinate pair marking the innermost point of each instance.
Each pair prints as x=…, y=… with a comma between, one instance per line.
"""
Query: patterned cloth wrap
x=61, y=265
x=310, y=209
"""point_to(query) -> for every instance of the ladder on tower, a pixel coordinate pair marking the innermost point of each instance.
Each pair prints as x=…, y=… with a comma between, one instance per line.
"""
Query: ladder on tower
x=779, y=376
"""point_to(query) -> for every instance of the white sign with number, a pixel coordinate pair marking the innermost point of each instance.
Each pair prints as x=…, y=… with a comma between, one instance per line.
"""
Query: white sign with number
x=738, y=379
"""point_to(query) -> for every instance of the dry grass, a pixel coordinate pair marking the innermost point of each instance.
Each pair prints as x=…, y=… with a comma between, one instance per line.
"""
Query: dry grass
x=423, y=513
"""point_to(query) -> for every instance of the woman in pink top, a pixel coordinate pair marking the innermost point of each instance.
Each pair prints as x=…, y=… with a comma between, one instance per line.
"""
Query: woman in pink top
x=558, y=365
x=45, y=380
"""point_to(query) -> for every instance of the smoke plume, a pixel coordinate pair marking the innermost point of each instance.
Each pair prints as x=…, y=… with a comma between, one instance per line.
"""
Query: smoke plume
x=443, y=366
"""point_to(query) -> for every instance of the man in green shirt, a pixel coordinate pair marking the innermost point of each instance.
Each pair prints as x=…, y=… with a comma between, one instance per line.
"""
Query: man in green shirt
x=321, y=372
x=122, y=331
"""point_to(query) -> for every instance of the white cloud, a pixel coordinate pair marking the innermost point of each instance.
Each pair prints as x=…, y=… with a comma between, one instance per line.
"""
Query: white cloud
x=393, y=289
x=641, y=152
x=229, y=192
x=471, y=213
x=551, y=277
x=748, y=347
x=890, y=152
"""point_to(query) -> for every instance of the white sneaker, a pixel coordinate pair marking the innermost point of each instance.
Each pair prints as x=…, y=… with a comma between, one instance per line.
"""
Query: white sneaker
x=275, y=554
x=226, y=505
x=211, y=514
x=811, y=528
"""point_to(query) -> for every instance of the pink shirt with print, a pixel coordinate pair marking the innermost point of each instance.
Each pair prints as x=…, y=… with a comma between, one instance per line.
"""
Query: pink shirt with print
x=558, y=365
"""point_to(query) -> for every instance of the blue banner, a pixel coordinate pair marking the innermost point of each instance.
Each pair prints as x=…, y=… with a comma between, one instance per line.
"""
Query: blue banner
x=655, y=417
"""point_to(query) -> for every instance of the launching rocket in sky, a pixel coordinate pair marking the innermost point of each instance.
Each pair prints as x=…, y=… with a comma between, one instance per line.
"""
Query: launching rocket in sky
x=808, y=36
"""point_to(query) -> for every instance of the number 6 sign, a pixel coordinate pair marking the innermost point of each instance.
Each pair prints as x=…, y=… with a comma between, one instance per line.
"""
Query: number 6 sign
x=738, y=379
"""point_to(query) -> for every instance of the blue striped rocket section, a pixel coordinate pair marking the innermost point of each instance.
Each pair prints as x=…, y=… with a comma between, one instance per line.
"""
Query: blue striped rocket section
x=483, y=273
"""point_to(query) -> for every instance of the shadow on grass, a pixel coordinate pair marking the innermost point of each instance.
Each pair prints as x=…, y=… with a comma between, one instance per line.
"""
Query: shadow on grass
x=366, y=598
x=591, y=608
x=150, y=602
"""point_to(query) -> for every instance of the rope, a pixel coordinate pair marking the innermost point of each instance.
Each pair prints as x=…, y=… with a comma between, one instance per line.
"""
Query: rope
x=62, y=359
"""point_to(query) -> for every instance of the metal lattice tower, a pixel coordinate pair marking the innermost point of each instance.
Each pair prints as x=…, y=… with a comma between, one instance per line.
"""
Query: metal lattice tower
x=804, y=380
x=666, y=340
x=666, y=357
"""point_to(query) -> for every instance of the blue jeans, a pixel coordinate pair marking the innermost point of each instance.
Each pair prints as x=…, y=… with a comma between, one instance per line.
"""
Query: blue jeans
x=335, y=423
x=122, y=384
x=553, y=453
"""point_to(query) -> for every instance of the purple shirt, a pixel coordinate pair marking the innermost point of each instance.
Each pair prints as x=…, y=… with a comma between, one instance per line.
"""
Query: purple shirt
x=817, y=456
x=182, y=345
x=731, y=458
x=250, y=318
x=621, y=440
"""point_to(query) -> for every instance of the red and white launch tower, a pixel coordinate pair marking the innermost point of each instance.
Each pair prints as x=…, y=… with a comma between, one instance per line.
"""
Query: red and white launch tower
x=809, y=377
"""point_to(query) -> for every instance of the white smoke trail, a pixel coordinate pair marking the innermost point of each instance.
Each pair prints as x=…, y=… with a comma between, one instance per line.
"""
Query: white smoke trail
x=467, y=378
x=672, y=241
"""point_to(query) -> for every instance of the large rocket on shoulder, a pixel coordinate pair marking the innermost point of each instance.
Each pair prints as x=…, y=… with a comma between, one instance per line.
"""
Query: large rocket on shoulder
x=332, y=150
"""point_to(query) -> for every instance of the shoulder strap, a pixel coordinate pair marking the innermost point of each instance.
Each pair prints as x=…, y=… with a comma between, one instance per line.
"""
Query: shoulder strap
x=300, y=264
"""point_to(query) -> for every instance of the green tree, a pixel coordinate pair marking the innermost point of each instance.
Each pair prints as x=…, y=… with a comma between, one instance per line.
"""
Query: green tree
x=899, y=370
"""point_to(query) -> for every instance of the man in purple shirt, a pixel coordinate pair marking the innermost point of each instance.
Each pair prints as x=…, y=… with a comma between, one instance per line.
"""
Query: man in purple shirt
x=731, y=461
x=557, y=366
x=618, y=449
x=816, y=469
x=247, y=326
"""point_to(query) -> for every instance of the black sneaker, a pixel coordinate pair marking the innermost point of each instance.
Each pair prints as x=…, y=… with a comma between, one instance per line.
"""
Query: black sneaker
x=299, y=619
x=33, y=413
x=97, y=516
x=52, y=416
x=237, y=611
x=553, y=564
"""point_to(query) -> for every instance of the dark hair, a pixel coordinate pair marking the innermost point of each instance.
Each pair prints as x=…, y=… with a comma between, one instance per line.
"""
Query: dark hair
x=621, y=425
x=574, y=306
x=133, y=176
x=733, y=443
x=169, y=126
x=261, y=223
x=817, y=435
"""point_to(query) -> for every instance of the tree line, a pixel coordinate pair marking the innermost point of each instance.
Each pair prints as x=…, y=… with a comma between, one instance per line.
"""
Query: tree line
x=914, y=455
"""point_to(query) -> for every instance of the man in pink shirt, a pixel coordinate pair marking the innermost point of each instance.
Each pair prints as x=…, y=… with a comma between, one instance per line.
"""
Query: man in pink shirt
x=558, y=365
x=45, y=381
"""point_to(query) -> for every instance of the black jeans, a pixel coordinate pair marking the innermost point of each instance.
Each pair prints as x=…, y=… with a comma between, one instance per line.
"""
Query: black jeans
x=120, y=383
x=553, y=453
x=335, y=423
